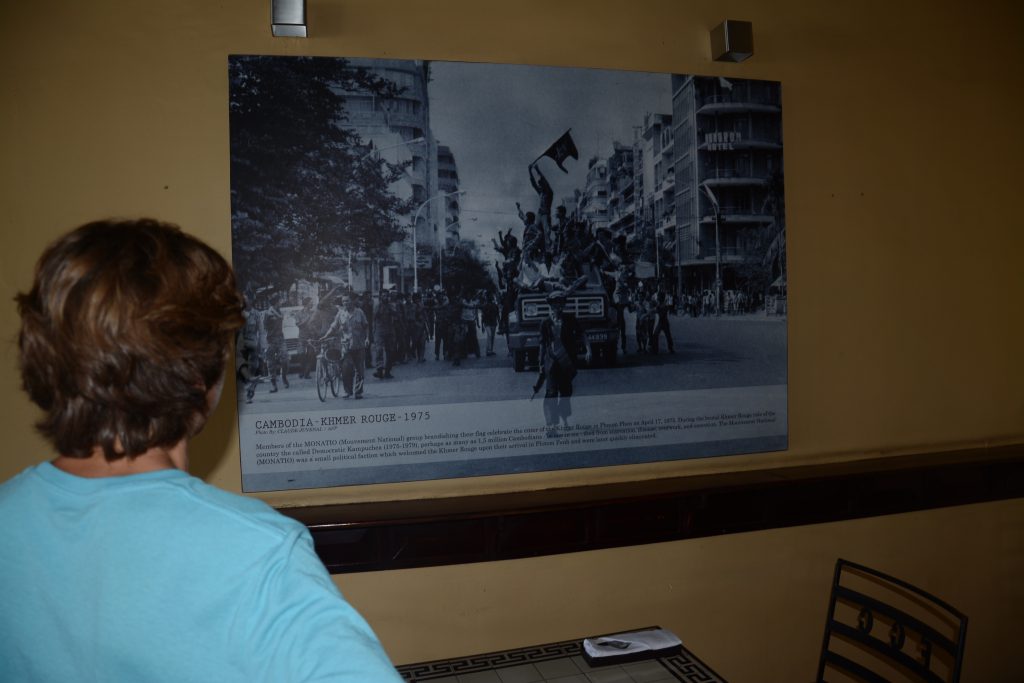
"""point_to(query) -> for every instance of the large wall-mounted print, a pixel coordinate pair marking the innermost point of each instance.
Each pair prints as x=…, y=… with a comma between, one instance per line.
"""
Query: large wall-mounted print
x=455, y=269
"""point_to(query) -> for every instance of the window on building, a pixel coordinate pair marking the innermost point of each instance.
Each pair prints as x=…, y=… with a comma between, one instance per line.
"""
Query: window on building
x=359, y=105
x=402, y=79
x=685, y=173
x=404, y=107
x=686, y=208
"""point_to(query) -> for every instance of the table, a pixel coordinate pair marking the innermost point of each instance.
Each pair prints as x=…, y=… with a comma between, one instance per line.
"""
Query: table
x=558, y=663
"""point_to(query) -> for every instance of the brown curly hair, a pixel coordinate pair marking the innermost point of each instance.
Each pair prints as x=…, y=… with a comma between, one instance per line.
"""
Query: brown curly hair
x=123, y=334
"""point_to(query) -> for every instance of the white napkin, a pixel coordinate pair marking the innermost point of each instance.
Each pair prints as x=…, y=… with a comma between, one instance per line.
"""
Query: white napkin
x=630, y=642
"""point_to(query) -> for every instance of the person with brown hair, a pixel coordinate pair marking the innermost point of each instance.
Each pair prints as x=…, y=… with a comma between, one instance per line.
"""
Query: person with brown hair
x=118, y=565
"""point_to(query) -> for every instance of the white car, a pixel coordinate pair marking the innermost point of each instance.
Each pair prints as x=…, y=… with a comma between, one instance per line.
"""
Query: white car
x=291, y=330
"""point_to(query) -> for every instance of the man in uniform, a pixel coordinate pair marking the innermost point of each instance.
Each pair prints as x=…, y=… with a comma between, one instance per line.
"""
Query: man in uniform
x=489, y=320
x=277, y=352
x=302, y=320
x=418, y=331
x=560, y=337
x=384, y=337
x=662, y=308
x=442, y=327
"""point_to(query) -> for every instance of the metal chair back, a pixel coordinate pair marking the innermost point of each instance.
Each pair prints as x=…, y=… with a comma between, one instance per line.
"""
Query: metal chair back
x=881, y=629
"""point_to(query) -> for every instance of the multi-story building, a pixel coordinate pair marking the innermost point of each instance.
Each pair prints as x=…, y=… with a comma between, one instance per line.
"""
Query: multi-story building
x=448, y=184
x=621, y=194
x=728, y=168
x=642, y=231
x=399, y=130
x=657, y=197
x=593, y=203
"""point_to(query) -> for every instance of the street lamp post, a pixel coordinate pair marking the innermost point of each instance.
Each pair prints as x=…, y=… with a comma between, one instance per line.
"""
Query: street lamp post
x=657, y=256
x=372, y=152
x=415, y=222
x=440, y=253
x=718, y=247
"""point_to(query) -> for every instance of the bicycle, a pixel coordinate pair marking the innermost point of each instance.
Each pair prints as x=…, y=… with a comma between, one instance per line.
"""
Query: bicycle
x=328, y=369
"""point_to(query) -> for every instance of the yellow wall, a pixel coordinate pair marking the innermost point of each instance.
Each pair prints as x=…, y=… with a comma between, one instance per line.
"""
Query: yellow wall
x=903, y=146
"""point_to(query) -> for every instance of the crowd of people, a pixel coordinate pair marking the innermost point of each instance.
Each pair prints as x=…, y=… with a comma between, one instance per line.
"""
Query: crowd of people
x=358, y=332
x=558, y=254
x=734, y=302
x=564, y=253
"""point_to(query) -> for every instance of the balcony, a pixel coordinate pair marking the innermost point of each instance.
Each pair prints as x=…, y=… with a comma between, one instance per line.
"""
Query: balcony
x=738, y=214
x=621, y=221
x=706, y=255
x=738, y=102
x=668, y=183
x=733, y=177
x=737, y=219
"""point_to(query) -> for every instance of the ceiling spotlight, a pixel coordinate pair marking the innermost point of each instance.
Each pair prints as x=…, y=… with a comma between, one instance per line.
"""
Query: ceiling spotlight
x=288, y=18
x=732, y=41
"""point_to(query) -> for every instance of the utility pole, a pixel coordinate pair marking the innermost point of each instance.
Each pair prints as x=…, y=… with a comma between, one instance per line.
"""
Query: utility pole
x=718, y=246
x=415, y=222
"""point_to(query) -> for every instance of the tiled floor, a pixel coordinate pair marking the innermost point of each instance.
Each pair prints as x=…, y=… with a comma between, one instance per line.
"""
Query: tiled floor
x=557, y=663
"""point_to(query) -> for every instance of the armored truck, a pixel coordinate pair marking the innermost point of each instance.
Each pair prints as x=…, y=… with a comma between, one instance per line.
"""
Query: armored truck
x=593, y=309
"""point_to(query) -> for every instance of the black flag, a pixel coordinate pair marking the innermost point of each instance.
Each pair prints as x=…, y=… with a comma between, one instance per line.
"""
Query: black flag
x=562, y=149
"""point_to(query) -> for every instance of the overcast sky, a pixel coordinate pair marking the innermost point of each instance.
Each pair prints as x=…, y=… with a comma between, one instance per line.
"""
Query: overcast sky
x=498, y=118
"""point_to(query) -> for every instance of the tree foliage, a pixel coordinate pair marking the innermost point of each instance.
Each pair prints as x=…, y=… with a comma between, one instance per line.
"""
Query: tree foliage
x=304, y=189
x=765, y=243
x=462, y=271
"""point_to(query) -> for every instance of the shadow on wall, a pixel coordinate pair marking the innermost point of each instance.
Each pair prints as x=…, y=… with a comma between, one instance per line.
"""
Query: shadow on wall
x=210, y=447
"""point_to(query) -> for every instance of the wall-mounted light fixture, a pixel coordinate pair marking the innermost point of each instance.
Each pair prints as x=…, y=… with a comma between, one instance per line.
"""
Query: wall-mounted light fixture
x=732, y=41
x=288, y=18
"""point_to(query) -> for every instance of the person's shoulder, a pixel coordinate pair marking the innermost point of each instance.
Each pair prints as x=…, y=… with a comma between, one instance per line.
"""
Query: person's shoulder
x=16, y=485
x=231, y=509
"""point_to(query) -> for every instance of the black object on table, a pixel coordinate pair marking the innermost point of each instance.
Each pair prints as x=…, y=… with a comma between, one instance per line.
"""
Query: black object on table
x=562, y=662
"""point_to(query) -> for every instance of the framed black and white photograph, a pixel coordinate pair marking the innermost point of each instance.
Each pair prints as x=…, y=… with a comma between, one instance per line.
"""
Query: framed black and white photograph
x=455, y=269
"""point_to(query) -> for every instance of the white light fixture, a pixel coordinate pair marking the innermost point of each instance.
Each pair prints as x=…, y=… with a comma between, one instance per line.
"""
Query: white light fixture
x=288, y=18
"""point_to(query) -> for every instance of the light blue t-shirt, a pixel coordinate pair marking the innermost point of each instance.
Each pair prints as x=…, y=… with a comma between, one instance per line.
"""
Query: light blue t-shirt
x=160, y=577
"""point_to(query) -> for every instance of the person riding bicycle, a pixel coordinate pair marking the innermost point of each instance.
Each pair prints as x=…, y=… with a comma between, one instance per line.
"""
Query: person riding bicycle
x=351, y=322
